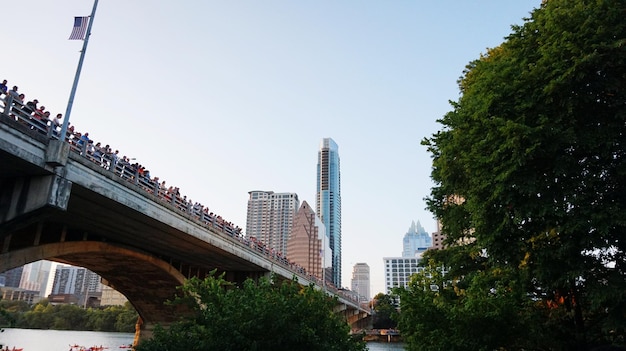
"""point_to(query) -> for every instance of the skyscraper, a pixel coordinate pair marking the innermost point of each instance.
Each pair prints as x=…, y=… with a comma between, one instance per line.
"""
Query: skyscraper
x=35, y=276
x=77, y=281
x=307, y=245
x=416, y=241
x=398, y=270
x=361, y=281
x=12, y=277
x=270, y=217
x=328, y=201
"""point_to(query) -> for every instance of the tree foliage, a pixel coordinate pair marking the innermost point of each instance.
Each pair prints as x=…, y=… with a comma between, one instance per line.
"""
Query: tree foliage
x=530, y=187
x=256, y=316
x=44, y=315
x=384, y=311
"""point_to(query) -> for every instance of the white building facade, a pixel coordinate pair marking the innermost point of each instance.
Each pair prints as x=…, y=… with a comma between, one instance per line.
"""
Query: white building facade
x=398, y=271
x=360, y=283
x=270, y=217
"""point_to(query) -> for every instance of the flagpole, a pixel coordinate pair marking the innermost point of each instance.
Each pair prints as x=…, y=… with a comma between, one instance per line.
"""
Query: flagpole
x=66, y=120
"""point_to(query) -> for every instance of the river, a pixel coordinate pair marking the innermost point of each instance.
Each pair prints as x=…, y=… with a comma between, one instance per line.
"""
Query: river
x=60, y=340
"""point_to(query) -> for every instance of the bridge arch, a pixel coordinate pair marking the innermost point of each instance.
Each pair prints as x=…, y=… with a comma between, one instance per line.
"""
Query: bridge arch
x=145, y=280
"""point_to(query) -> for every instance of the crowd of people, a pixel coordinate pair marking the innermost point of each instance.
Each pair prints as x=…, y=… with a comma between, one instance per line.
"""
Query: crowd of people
x=29, y=112
x=37, y=118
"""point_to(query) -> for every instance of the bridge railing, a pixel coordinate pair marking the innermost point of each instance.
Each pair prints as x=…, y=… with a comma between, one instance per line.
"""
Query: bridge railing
x=134, y=173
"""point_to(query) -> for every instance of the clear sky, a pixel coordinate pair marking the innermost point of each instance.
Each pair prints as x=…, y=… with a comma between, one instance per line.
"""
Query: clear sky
x=223, y=97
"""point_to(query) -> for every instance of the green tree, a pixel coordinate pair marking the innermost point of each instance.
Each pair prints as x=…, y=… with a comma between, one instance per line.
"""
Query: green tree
x=69, y=317
x=384, y=310
x=6, y=317
x=256, y=316
x=530, y=177
x=41, y=316
x=485, y=310
x=103, y=319
x=126, y=319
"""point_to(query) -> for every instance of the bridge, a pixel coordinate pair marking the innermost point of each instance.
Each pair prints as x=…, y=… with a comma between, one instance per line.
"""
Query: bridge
x=62, y=199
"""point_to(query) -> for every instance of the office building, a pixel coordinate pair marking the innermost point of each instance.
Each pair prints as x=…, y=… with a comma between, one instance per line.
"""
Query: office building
x=112, y=297
x=18, y=294
x=35, y=277
x=328, y=201
x=416, y=241
x=438, y=238
x=12, y=277
x=307, y=245
x=79, y=282
x=270, y=217
x=398, y=271
x=361, y=281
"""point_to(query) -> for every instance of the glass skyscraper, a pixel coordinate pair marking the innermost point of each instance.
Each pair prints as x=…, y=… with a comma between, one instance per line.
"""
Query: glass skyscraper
x=416, y=241
x=328, y=201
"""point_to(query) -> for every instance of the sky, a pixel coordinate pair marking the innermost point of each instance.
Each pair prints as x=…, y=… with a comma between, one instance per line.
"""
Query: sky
x=221, y=98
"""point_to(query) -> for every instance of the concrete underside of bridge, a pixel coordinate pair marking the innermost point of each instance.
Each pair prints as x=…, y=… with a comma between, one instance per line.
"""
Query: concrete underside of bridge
x=145, y=280
x=138, y=257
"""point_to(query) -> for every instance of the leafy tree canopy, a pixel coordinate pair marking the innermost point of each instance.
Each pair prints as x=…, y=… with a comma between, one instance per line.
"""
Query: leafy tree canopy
x=530, y=185
x=256, y=316
x=385, y=309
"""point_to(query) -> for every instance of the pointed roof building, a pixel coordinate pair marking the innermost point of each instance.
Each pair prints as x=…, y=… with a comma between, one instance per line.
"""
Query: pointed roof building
x=307, y=245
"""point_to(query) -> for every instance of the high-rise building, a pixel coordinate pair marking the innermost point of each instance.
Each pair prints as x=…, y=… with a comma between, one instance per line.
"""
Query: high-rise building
x=328, y=201
x=307, y=245
x=438, y=238
x=35, y=276
x=361, y=281
x=398, y=271
x=77, y=281
x=12, y=277
x=270, y=217
x=416, y=241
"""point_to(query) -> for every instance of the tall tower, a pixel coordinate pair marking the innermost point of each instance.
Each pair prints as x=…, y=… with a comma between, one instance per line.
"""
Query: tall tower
x=35, y=276
x=416, y=241
x=328, y=201
x=307, y=245
x=270, y=217
x=361, y=281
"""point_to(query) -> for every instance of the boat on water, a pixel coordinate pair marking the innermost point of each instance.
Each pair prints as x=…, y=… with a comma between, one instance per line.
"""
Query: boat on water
x=87, y=348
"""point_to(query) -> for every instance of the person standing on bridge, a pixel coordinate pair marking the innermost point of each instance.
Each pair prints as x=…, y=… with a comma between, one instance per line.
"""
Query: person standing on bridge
x=56, y=124
x=3, y=86
x=83, y=141
x=31, y=107
x=13, y=93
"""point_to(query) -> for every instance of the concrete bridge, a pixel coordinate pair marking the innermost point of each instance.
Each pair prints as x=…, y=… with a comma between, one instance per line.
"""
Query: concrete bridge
x=59, y=202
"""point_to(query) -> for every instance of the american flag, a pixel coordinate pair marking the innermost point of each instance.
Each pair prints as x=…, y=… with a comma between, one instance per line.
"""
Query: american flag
x=80, y=28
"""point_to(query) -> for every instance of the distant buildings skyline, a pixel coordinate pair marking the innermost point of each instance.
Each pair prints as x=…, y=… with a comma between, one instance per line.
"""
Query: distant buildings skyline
x=328, y=200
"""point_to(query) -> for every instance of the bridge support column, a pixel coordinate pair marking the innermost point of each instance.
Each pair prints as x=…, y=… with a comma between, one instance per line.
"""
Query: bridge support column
x=57, y=153
x=19, y=196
